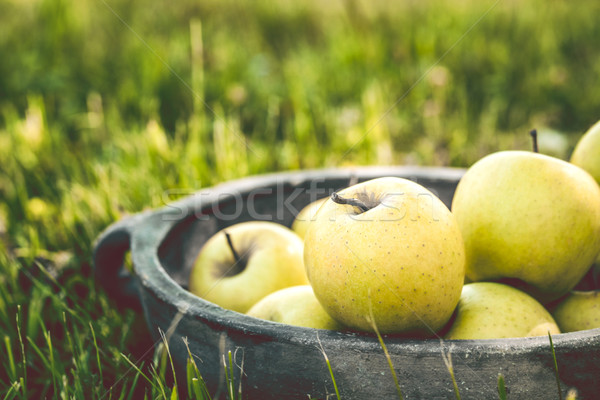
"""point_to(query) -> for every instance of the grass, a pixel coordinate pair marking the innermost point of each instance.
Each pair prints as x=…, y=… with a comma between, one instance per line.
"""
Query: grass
x=113, y=107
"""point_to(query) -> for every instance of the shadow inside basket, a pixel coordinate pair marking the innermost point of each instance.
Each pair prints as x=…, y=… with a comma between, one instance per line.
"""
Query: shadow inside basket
x=277, y=200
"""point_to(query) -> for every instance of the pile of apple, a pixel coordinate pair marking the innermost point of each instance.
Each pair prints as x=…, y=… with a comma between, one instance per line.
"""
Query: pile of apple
x=387, y=255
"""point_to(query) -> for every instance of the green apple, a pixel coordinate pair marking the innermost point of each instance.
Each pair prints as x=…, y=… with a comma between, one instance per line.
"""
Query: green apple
x=531, y=218
x=489, y=310
x=386, y=254
x=587, y=152
x=243, y=263
x=296, y=305
x=306, y=216
x=580, y=310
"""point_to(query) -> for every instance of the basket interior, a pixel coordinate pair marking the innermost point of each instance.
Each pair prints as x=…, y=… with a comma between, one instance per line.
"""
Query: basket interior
x=278, y=202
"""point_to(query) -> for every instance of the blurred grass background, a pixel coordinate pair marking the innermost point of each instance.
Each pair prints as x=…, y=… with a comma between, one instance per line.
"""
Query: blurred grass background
x=106, y=105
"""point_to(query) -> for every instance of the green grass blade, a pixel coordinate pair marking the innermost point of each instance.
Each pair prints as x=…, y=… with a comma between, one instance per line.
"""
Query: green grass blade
x=197, y=382
x=23, y=357
x=199, y=389
x=139, y=370
x=70, y=343
x=384, y=347
x=335, y=387
x=159, y=379
x=560, y=396
x=42, y=357
x=98, y=362
x=448, y=361
x=65, y=388
x=12, y=392
x=133, y=386
x=23, y=386
x=189, y=375
x=228, y=375
x=241, y=367
x=53, y=368
x=390, y=364
x=12, y=368
x=501, y=387
x=168, y=350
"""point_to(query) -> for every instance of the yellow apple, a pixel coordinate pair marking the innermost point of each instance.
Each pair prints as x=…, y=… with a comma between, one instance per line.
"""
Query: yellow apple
x=528, y=217
x=580, y=310
x=389, y=252
x=296, y=305
x=587, y=152
x=306, y=216
x=243, y=263
x=489, y=310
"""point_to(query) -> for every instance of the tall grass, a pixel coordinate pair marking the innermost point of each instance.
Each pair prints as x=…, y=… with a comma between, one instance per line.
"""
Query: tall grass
x=111, y=107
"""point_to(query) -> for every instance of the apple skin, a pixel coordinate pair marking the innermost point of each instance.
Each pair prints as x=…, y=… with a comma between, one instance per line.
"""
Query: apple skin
x=528, y=217
x=587, y=152
x=402, y=261
x=306, y=216
x=489, y=310
x=296, y=305
x=271, y=253
x=580, y=310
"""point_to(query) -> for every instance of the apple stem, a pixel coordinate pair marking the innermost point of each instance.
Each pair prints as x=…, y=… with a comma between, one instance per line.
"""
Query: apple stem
x=533, y=134
x=351, y=201
x=230, y=243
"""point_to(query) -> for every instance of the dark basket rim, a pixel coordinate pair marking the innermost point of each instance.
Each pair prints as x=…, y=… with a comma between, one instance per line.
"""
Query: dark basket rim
x=154, y=226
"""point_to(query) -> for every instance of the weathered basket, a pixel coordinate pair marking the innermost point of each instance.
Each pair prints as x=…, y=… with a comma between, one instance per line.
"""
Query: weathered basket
x=286, y=362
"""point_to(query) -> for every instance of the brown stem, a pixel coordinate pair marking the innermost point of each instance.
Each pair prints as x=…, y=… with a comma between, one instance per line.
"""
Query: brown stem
x=351, y=201
x=533, y=134
x=230, y=243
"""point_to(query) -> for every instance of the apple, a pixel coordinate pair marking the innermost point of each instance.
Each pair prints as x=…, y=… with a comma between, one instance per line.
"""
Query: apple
x=296, y=305
x=528, y=218
x=306, y=216
x=245, y=262
x=580, y=310
x=489, y=310
x=587, y=152
x=386, y=254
